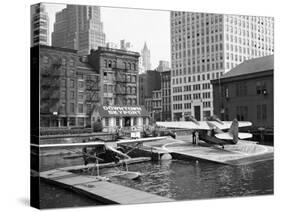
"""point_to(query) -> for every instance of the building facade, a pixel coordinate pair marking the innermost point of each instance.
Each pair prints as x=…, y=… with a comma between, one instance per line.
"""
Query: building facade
x=118, y=71
x=246, y=93
x=69, y=88
x=78, y=27
x=157, y=105
x=148, y=82
x=145, y=57
x=166, y=95
x=203, y=47
x=129, y=118
x=39, y=25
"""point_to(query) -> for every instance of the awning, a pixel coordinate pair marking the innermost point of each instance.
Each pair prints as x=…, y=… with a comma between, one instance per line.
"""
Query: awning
x=121, y=111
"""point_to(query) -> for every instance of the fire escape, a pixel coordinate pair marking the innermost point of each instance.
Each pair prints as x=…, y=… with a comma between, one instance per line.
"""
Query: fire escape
x=120, y=89
x=50, y=88
x=92, y=93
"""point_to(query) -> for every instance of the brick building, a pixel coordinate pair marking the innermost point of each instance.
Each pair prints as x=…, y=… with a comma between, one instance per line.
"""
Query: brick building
x=148, y=82
x=68, y=88
x=157, y=105
x=118, y=71
x=166, y=95
x=246, y=92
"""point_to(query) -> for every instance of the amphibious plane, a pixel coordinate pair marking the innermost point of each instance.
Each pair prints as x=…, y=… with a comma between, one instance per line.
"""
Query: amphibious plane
x=211, y=131
x=100, y=152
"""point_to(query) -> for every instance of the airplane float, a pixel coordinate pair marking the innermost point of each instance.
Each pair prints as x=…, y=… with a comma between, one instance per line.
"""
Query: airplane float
x=211, y=131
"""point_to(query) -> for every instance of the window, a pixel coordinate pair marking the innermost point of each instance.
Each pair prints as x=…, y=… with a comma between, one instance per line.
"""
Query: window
x=261, y=112
x=72, y=83
x=80, y=108
x=133, y=78
x=71, y=94
x=261, y=87
x=242, y=113
x=80, y=95
x=71, y=107
x=81, y=121
x=80, y=84
x=117, y=121
x=63, y=94
x=106, y=120
x=71, y=62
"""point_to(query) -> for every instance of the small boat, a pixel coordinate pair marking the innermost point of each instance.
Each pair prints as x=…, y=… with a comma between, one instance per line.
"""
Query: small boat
x=128, y=175
x=125, y=175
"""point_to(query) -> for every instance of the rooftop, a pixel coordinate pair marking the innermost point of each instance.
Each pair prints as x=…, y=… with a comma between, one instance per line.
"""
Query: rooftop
x=255, y=65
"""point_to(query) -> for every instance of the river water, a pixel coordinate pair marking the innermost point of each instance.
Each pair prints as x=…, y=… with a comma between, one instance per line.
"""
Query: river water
x=180, y=180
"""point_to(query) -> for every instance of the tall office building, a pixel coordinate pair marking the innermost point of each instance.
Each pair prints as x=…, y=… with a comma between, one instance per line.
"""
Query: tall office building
x=145, y=57
x=80, y=28
x=39, y=25
x=203, y=47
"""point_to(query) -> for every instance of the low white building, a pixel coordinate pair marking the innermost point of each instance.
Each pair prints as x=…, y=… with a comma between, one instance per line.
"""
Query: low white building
x=127, y=118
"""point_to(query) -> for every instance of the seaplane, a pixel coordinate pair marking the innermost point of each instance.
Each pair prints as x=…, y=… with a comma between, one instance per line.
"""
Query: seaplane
x=212, y=131
x=102, y=154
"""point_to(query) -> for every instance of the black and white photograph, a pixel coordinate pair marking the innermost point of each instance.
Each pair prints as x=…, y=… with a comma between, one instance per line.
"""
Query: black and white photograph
x=136, y=106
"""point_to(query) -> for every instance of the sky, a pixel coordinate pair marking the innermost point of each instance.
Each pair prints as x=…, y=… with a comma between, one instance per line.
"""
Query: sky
x=135, y=26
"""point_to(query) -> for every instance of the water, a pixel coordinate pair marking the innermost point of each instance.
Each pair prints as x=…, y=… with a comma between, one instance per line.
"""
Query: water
x=182, y=180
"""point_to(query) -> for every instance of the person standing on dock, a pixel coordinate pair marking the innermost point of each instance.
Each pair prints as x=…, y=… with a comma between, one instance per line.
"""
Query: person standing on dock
x=193, y=137
x=85, y=154
x=196, y=137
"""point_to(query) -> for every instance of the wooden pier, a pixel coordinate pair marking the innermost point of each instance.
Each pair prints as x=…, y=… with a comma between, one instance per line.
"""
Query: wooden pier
x=97, y=188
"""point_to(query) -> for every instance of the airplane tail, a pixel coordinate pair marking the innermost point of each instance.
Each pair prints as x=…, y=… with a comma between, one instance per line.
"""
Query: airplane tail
x=233, y=130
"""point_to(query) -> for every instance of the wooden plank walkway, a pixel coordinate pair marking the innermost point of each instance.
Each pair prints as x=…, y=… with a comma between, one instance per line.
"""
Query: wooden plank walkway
x=103, y=191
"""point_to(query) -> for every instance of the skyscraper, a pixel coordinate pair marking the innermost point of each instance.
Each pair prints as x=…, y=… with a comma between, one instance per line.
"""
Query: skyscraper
x=39, y=25
x=145, y=57
x=203, y=47
x=80, y=28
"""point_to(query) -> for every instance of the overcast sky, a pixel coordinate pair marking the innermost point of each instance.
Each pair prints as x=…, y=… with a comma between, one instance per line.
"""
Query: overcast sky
x=135, y=26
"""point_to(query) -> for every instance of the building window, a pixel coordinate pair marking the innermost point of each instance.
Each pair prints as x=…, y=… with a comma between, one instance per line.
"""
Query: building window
x=71, y=62
x=242, y=113
x=106, y=120
x=80, y=84
x=63, y=94
x=117, y=121
x=81, y=121
x=80, y=108
x=261, y=87
x=261, y=112
x=241, y=89
x=71, y=94
x=72, y=83
x=80, y=95
x=71, y=107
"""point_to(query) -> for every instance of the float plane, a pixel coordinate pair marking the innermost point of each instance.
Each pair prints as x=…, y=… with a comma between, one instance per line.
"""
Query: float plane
x=211, y=131
x=99, y=152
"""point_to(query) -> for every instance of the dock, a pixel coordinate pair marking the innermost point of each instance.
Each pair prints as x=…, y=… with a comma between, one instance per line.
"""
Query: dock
x=97, y=188
x=244, y=152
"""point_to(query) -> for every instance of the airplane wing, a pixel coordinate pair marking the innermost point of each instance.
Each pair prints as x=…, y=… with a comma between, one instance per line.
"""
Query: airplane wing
x=228, y=136
x=199, y=125
x=140, y=140
x=66, y=145
x=226, y=124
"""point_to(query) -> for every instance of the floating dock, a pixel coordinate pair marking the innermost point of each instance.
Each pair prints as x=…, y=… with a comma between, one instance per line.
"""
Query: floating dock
x=99, y=189
x=244, y=152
